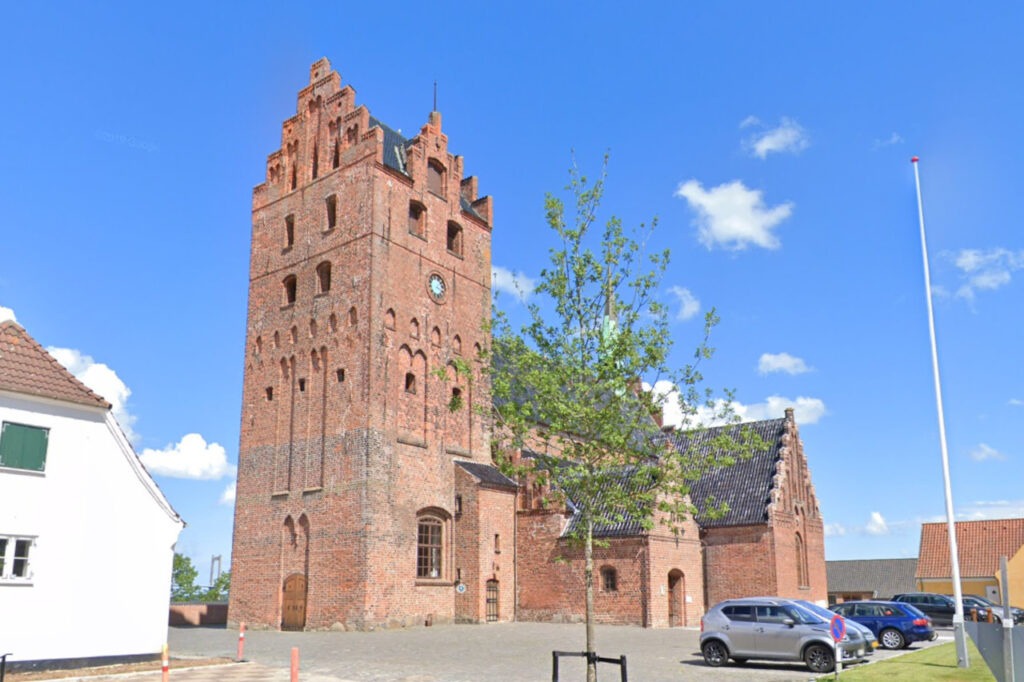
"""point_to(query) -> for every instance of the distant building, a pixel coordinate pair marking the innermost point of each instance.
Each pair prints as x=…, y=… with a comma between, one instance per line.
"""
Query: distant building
x=363, y=501
x=869, y=579
x=980, y=544
x=86, y=537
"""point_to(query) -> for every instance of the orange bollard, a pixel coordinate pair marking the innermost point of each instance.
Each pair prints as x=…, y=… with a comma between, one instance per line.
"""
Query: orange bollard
x=241, y=640
x=164, y=664
x=295, y=664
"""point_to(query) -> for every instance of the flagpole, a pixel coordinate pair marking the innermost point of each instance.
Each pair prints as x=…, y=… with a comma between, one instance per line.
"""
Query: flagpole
x=959, y=633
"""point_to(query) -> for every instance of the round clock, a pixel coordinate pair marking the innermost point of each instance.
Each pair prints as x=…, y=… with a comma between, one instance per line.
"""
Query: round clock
x=436, y=286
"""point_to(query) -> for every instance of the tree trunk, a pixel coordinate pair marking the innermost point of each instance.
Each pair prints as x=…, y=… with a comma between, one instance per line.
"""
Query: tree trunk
x=588, y=580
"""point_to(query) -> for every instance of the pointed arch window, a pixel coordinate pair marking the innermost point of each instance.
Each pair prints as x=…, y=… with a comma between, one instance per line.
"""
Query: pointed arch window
x=417, y=219
x=454, y=241
x=289, y=284
x=323, y=277
x=435, y=177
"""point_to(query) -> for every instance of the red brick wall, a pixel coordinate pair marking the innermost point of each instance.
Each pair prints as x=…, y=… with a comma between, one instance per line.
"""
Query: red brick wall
x=486, y=512
x=355, y=454
x=210, y=613
x=676, y=557
x=738, y=562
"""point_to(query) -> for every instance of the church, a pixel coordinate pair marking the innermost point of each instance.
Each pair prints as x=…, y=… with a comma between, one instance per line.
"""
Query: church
x=363, y=502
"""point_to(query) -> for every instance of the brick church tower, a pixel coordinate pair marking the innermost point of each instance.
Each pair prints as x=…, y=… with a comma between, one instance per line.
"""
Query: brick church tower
x=363, y=501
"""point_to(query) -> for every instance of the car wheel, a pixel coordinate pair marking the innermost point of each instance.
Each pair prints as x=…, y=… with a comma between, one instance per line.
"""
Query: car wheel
x=892, y=639
x=819, y=658
x=715, y=653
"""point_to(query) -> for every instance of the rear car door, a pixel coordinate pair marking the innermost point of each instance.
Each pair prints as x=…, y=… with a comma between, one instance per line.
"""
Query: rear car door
x=868, y=615
x=741, y=629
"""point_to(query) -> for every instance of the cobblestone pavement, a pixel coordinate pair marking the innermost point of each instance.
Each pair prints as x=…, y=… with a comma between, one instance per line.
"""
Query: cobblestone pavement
x=504, y=652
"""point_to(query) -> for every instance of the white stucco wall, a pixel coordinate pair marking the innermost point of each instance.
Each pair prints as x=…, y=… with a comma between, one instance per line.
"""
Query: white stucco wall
x=101, y=563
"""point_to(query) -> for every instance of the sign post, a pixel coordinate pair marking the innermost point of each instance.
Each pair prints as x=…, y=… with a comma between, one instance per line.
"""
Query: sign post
x=838, y=628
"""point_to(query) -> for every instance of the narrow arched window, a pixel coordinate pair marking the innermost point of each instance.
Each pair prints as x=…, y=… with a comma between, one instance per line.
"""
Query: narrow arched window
x=435, y=177
x=429, y=546
x=289, y=231
x=323, y=277
x=417, y=219
x=410, y=382
x=332, y=211
x=316, y=160
x=289, y=284
x=353, y=316
x=336, y=158
x=801, y=561
x=295, y=178
x=609, y=579
x=454, y=238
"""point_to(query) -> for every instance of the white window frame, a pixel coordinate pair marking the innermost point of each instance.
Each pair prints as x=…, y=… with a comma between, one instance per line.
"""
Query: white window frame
x=7, y=574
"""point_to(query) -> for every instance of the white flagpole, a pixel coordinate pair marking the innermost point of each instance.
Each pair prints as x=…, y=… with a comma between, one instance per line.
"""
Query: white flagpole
x=959, y=633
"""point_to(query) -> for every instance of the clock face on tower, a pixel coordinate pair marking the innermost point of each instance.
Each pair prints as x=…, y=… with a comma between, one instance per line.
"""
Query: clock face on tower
x=437, y=287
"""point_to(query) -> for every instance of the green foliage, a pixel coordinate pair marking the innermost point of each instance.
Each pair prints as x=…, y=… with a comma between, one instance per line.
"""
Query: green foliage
x=218, y=591
x=183, y=579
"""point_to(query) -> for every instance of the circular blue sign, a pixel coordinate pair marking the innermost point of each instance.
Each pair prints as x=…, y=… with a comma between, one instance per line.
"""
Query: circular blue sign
x=838, y=627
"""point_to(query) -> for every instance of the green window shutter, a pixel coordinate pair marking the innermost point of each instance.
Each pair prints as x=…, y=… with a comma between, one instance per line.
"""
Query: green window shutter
x=23, y=447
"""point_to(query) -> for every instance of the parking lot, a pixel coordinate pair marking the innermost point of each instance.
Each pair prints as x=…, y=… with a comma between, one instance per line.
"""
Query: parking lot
x=513, y=652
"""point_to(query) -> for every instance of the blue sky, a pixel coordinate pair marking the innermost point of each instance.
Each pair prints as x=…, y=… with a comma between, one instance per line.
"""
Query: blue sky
x=771, y=141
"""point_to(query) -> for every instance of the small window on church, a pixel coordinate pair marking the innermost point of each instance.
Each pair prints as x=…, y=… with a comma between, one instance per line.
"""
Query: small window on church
x=295, y=178
x=323, y=277
x=316, y=161
x=336, y=158
x=609, y=579
x=454, y=238
x=270, y=393
x=302, y=385
x=458, y=504
x=429, y=543
x=497, y=543
x=417, y=219
x=340, y=374
x=410, y=382
x=332, y=211
x=289, y=231
x=435, y=177
x=289, y=283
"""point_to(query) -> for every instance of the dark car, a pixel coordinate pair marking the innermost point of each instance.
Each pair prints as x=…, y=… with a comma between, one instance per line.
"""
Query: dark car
x=938, y=607
x=983, y=606
x=896, y=624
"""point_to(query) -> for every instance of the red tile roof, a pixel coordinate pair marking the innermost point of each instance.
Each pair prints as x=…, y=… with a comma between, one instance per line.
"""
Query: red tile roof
x=25, y=367
x=979, y=546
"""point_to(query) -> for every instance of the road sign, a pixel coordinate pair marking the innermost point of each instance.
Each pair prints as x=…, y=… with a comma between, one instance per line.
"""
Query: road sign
x=838, y=627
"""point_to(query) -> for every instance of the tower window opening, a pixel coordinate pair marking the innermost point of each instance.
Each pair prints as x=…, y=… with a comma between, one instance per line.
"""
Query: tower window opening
x=435, y=177
x=454, y=238
x=340, y=374
x=295, y=178
x=290, y=284
x=302, y=385
x=336, y=158
x=289, y=231
x=323, y=277
x=417, y=219
x=332, y=212
x=270, y=393
x=410, y=382
x=316, y=161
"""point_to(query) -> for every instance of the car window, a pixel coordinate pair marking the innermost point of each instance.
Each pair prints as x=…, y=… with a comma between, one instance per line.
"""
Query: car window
x=865, y=610
x=891, y=610
x=945, y=601
x=771, y=614
x=741, y=613
x=803, y=615
x=842, y=609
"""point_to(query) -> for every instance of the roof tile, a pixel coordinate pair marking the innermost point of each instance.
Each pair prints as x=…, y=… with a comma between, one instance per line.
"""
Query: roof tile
x=979, y=546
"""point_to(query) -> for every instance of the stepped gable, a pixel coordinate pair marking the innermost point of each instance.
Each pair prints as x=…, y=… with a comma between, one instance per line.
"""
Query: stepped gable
x=26, y=367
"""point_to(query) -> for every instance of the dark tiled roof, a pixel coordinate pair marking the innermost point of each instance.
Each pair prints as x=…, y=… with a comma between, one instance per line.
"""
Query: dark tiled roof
x=746, y=485
x=883, y=578
x=485, y=473
x=979, y=544
x=25, y=367
x=395, y=145
x=626, y=478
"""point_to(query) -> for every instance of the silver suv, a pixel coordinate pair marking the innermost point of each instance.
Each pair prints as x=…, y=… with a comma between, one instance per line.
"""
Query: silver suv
x=774, y=629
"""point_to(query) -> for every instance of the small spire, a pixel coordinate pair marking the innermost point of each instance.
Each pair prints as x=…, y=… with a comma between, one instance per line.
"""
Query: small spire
x=435, y=96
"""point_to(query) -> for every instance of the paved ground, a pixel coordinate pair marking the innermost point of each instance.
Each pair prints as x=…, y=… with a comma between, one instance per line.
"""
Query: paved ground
x=506, y=652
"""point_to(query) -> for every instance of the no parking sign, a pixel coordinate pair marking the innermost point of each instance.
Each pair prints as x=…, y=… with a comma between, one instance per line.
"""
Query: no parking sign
x=838, y=628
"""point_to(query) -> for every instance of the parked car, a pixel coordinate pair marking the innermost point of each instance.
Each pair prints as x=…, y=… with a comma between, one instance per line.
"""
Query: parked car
x=772, y=629
x=896, y=624
x=973, y=601
x=938, y=607
x=869, y=637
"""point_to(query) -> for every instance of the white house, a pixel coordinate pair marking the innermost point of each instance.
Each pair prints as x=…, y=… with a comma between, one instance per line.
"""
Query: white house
x=86, y=537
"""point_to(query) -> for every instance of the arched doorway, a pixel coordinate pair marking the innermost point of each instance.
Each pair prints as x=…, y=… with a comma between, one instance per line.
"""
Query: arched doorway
x=293, y=602
x=676, y=598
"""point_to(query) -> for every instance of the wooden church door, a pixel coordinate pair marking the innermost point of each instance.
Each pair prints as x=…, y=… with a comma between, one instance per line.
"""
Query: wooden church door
x=293, y=603
x=675, y=599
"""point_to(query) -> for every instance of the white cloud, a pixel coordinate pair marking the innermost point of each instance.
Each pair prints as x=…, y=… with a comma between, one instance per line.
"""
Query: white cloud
x=834, y=530
x=895, y=138
x=101, y=379
x=805, y=410
x=985, y=270
x=689, y=305
x=781, y=362
x=750, y=121
x=788, y=136
x=733, y=216
x=877, y=525
x=7, y=314
x=993, y=509
x=191, y=458
x=515, y=283
x=1016, y=402
x=228, y=496
x=983, y=452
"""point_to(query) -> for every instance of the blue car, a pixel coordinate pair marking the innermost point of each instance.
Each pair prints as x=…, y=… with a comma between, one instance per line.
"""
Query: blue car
x=896, y=624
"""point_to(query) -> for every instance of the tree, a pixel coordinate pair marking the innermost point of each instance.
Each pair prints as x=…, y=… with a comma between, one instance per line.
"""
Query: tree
x=183, y=578
x=569, y=385
x=218, y=591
